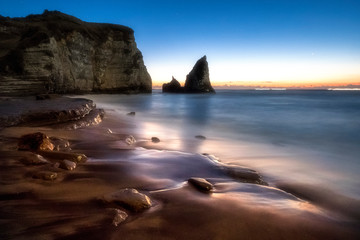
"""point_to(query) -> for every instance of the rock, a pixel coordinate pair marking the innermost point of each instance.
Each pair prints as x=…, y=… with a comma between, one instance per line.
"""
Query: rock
x=35, y=141
x=119, y=217
x=57, y=53
x=244, y=174
x=155, y=140
x=131, y=114
x=60, y=144
x=172, y=87
x=198, y=80
x=67, y=165
x=46, y=96
x=34, y=159
x=55, y=155
x=130, y=199
x=130, y=140
x=46, y=112
x=201, y=184
x=200, y=137
x=46, y=175
x=93, y=118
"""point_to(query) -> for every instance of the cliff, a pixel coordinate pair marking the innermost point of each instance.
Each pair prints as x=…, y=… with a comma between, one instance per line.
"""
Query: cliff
x=197, y=81
x=58, y=53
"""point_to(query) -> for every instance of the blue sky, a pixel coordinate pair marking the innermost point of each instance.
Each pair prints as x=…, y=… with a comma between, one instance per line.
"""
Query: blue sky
x=256, y=43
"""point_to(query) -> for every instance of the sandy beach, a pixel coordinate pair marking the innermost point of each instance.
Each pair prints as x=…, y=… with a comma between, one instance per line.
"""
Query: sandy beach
x=73, y=205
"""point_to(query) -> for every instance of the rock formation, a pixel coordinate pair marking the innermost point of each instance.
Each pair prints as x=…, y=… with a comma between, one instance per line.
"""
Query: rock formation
x=58, y=53
x=173, y=86
x=197, y=81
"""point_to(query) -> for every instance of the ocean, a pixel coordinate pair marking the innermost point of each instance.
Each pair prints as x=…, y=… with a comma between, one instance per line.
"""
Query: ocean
x=305, y=137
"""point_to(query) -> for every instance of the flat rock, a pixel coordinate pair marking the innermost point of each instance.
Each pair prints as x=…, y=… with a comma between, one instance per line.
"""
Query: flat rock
x=35, y=141
x=244, y=174
x=130, y=199
x=31, y=112
x=201, y=184
x=33, y=159
x=58, y=155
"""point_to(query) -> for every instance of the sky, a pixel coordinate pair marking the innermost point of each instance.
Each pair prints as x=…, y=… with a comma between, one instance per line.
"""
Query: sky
x=258, y=43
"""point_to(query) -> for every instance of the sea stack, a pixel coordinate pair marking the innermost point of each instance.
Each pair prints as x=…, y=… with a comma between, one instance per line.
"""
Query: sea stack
x=197, y=81
x=58, y=53
x=173, y=86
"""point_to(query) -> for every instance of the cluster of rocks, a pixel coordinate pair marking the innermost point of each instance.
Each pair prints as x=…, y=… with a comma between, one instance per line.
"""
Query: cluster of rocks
x=55, y=153
x=197, y=81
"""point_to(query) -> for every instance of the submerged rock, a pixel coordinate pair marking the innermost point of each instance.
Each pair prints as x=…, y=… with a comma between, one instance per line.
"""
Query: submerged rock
x=201, y=184
x=35, y=141
x=198, y=80
x=74, y=157
x=244, y=174
x=46, y=175
x=33, y=159
x=130, y=199
x=200, y=137
x=155, y=140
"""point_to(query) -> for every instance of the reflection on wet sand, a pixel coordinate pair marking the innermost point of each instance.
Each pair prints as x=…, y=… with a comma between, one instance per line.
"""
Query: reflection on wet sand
x=70, y=206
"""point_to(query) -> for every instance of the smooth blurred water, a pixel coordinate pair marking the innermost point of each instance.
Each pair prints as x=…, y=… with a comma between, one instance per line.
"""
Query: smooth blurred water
x=310, y=137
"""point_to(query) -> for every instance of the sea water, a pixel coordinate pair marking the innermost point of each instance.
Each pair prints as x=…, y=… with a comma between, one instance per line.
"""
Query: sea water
x=303, y=137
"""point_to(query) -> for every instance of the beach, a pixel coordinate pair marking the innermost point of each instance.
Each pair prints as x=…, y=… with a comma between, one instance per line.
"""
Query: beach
x=121, y=154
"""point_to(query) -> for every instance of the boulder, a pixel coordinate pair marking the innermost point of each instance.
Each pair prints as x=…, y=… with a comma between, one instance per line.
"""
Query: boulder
x=155, y=140
x=130, y=199
x=172, y=87
x=198, y=80
x=34, y=142
x=201, y=184
x=67, y=165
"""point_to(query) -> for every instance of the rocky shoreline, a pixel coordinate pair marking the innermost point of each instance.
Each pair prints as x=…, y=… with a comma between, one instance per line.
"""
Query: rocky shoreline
x=65, y=182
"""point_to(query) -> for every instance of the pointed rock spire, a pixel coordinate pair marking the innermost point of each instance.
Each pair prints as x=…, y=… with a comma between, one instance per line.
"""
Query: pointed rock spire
x=198, y=80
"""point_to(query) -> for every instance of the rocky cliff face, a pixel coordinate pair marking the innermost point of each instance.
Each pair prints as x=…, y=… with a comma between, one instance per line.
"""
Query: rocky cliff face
x=58, y=53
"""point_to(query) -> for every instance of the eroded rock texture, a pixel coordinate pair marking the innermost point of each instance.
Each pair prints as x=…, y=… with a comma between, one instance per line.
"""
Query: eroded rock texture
x=58, y=53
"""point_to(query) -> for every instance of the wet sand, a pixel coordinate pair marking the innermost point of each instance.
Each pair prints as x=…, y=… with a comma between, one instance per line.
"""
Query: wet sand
x=71, y=206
